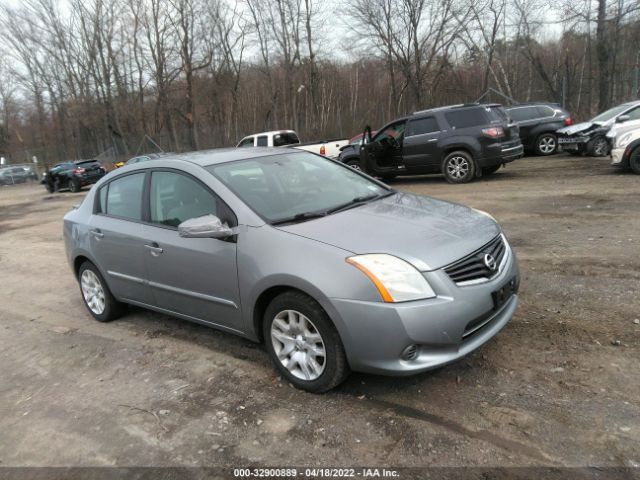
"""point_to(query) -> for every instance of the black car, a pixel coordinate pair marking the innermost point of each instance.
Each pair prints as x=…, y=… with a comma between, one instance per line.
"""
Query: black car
x=590, y=138
x=538, y=124
x=73, y=175
x=462, y=142
x=13, y=175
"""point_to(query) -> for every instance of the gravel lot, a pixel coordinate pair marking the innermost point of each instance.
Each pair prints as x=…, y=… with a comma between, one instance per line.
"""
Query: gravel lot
x=559, y=386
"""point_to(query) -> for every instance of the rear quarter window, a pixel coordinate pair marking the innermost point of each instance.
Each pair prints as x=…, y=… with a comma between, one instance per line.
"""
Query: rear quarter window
x=471, y=117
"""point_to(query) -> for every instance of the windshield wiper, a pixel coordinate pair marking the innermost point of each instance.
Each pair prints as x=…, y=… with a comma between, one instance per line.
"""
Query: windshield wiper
x=300, y=217
x=357, y=201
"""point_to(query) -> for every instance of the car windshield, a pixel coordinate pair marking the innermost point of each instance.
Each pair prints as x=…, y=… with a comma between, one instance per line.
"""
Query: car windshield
x=296, y=186
x=609, y=114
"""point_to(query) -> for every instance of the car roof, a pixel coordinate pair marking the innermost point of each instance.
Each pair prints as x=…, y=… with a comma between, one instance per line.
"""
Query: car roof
x=205, y=158
x=272, y=132
x=457, y=106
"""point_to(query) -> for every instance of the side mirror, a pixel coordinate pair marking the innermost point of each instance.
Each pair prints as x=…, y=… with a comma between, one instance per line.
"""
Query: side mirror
x=623, y=118
x=207, y=226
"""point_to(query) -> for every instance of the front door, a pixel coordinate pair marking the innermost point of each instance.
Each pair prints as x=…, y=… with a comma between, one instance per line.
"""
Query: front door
x=196, y=277
x=384, y=153
x=116, y=236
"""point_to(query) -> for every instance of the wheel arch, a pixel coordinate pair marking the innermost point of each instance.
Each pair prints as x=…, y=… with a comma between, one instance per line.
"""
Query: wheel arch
x=267, y=293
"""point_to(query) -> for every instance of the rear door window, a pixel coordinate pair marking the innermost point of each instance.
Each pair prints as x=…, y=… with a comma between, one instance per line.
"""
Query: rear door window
x=468, y=117
x=421, y=126
x=522, y=114
x=545, y=112
x=263, y=141
x=124, y=197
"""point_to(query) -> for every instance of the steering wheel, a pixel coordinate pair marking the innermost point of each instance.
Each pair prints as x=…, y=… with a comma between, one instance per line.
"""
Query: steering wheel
x=393, y=143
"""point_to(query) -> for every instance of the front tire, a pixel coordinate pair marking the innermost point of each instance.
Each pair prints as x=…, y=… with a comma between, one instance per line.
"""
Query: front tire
x=546, y=144
x=634, y=161
x=96, y=295
x=598, y=147
x=458, y=167
x=303, y=343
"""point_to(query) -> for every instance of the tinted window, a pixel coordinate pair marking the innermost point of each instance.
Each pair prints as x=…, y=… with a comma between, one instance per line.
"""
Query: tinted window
x=286, y=138
x=263, y=141
x=544, y=111
x=634, y=114
x=176, y=198
x=469, y=117
x=124, y=197
x=522, y=114
x=247, y=142
x=87, y=164
x=422, y=125
x=102, y=197
x=497, y=114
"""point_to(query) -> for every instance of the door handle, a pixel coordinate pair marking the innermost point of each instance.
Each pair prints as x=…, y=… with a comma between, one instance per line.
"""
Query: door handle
x=97, y=233
x=154, y=248
x=432, y=140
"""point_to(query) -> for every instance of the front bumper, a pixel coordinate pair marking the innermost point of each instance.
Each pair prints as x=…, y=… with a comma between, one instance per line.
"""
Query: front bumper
x=375, y=334
x=572, y=144
x=618, y=157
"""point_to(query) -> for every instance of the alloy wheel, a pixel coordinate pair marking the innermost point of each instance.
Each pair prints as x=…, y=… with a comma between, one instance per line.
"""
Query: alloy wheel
x=600, y=147
x=458, y=167
x=92, y=292
x=298, y=345
x=547, y=145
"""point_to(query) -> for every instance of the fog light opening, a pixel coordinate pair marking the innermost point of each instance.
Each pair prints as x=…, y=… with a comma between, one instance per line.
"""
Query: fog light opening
x=409, y=353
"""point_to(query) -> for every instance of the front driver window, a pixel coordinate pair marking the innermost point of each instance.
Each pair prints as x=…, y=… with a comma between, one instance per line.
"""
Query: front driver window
x=395, y=131
x=176, y=198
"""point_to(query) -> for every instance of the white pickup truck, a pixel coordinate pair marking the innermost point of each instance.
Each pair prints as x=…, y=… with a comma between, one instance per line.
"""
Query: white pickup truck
x=289, y=138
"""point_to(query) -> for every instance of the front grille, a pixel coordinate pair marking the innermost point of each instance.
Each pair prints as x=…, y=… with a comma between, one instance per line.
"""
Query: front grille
x=474, y=267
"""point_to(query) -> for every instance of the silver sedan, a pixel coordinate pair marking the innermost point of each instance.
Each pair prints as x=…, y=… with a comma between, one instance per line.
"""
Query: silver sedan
x=331, y=269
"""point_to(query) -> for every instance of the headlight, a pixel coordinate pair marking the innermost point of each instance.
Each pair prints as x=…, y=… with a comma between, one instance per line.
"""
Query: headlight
x=624, y=139
x=395, y=279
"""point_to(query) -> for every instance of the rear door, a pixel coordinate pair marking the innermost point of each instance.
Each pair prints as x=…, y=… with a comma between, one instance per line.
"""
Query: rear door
x=420, y=144
x=116, y=236
x=527, y=118
x=195, y=277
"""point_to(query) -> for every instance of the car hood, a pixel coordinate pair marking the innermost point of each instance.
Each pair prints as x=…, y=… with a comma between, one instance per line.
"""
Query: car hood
x=577, y=128
x=426, y=232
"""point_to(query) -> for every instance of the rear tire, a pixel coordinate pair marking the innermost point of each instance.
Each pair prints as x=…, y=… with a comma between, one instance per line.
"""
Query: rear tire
x=354, y=163
x=74, y=185
x=458, y=167
x=303, y=343
x=546, y=144
x=49, y=187
x=96, y=295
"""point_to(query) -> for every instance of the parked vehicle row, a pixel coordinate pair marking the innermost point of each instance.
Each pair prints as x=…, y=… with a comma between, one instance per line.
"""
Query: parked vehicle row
x=16, y=175
x=539, y=123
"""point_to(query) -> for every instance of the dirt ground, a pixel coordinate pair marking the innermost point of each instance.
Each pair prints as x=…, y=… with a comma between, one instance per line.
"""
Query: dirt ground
x=559, y=386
